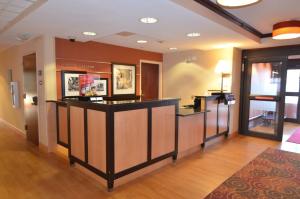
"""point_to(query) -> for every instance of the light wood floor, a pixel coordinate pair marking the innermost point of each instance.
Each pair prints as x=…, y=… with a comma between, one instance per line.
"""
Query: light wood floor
x=27, y=173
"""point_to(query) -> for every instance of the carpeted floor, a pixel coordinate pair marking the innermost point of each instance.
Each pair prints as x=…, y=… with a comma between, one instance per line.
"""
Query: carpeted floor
x=273, y=174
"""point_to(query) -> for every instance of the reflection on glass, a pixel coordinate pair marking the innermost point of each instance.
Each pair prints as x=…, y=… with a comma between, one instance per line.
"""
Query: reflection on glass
x=265, y=79
x=291, y=105
x=292, y=80
x=263, y=117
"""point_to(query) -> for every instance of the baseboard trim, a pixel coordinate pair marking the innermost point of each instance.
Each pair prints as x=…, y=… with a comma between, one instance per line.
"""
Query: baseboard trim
x=11, y=126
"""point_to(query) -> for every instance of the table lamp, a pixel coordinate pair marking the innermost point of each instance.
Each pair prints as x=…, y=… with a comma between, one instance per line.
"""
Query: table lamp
x=223, y=68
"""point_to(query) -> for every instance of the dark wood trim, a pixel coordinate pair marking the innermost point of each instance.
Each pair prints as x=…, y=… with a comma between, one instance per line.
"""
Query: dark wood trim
x=110, y=109
x=232, y=18
x=58, y=104
x=110, y=149
x=280, y=52
x=266, y=35
x=143, y=165
x=86, y=152
x=149, y=148
x=294, y=65
x=86, y=165
x=246, y=98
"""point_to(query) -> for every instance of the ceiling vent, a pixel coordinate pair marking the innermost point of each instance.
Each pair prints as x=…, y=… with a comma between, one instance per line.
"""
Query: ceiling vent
x=125, y=34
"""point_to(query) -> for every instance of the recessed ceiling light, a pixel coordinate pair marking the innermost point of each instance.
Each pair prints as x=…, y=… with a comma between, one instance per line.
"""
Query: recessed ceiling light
x=89, y=33
x=142, y=41
x=23, y=36
x=149, y=20
x=236, y=3
x=193, y=34
x=172, y=48
x=286, y=30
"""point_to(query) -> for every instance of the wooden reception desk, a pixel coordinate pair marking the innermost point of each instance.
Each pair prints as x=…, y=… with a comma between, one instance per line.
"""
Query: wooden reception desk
x=116, y=138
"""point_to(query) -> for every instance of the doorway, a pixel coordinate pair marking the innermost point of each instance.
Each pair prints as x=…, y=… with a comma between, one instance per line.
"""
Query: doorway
x=150, y=80
x=292, y=98
x=30, y=98
x=263, y=100
x=292, y=92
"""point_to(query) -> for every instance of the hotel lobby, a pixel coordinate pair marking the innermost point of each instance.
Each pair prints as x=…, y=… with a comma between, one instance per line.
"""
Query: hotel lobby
x=149, y=99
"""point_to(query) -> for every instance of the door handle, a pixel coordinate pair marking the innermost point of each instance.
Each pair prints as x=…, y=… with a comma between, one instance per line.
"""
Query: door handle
x=35, y=100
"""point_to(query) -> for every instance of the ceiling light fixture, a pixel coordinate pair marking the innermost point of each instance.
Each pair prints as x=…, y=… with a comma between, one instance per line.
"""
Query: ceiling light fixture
x=142, y=41
x=236, y=3
x=193, y=34
x=286, y=30
x=172, y=48
x=23, y=37
x=149, y=20
x=89, y=33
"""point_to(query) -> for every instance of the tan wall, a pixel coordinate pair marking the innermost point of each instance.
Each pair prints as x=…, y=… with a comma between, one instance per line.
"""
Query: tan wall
x=235, y=89
x=12, y=58
x=184, y=80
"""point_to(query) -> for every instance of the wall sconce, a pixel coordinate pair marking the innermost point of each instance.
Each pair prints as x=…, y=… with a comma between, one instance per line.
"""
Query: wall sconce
x=223, y=68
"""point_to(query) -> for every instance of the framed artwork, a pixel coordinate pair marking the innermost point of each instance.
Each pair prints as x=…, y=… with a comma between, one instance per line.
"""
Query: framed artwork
x=123, y=79
x=93, y=85
x=70, y=83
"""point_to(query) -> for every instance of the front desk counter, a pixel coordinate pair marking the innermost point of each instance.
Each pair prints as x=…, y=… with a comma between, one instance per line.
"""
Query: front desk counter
x=113, y=139
x=198, y=126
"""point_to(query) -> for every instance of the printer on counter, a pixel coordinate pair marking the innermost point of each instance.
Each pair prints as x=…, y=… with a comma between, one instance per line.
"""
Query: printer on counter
x=227, y=98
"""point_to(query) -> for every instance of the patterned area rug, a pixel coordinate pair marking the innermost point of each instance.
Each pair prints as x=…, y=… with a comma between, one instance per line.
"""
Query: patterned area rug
x=273, y=174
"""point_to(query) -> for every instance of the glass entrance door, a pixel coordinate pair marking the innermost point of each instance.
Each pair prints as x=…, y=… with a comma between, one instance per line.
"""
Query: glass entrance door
x=292, y=95
x=263, y=105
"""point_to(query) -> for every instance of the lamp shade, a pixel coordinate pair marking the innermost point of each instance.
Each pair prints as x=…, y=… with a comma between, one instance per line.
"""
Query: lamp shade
x=223, y=66
x=236, y=3
x=286, y=30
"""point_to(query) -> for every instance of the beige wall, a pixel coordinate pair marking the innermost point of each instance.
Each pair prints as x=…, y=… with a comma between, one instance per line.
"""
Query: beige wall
x=184, y=79
x=12, y=59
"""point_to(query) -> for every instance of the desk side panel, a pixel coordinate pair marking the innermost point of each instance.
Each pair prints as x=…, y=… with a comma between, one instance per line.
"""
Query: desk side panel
x=190, y=132
x=163, y=130
x=223, y=118
x=77, y=132
x=211, y=121
x=63, y=124
x=131, y=134
x=96, y=128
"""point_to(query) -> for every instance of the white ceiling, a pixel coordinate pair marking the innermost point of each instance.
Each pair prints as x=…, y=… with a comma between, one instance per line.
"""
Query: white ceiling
x=10, y=9
x=264, y=15
x=65, y=18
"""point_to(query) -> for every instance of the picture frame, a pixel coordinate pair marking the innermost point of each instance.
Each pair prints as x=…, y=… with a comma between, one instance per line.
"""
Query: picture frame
x=123, y=79
x=101, y=87
x=70, y=83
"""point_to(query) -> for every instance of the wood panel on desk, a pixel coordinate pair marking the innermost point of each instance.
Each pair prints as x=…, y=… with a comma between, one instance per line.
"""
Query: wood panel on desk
x=96, y=125
x=211, y=121
x=77, y=132
x=223, y=118
x=163, y=130
x=190, y=132
x=131, y=138
x=63, y=125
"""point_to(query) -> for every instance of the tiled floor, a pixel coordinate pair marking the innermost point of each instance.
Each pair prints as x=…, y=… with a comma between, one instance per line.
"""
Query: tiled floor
x=289, y=129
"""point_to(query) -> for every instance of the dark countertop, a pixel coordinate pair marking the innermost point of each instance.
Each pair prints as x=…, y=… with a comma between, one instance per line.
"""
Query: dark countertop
x=183, y=112
x=116, y=102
